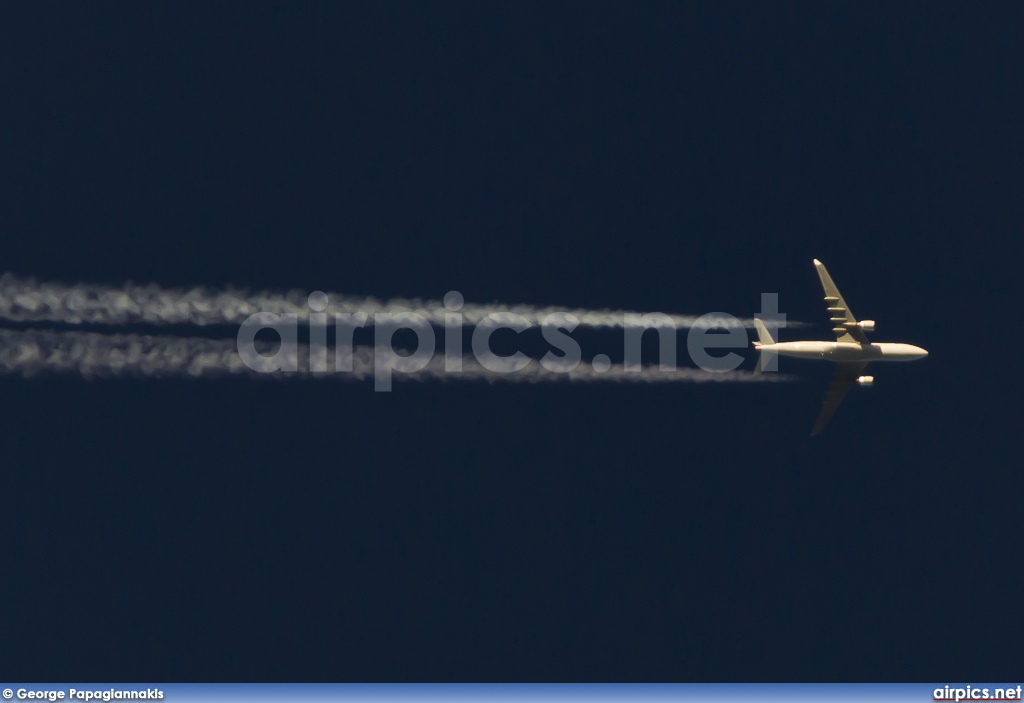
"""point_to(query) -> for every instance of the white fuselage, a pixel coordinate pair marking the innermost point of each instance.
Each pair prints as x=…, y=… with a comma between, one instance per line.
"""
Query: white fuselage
x=847, y=351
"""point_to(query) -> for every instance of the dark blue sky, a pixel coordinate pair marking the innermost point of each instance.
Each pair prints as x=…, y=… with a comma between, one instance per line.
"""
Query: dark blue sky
x=680, y=158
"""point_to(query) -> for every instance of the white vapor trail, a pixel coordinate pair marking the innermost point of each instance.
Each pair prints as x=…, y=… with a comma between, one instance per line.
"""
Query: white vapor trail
x=95, y=355
x=26, y=300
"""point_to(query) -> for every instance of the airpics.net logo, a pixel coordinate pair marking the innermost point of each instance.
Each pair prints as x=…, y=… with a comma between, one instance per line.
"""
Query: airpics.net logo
x=977, y=693
x=712, y=331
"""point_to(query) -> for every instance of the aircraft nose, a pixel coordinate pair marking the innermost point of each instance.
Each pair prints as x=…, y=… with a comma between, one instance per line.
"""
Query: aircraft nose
x=923, y=352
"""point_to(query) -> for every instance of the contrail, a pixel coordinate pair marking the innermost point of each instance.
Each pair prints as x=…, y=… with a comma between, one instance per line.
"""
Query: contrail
x=26, y=300
x=95, y=355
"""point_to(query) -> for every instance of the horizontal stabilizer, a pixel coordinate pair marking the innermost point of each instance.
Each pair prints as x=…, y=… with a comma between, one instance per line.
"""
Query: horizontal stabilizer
x=763, y=335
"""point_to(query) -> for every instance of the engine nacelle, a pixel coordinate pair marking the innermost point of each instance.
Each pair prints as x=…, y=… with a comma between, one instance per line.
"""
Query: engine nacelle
x=865, y=380
x=867, y=325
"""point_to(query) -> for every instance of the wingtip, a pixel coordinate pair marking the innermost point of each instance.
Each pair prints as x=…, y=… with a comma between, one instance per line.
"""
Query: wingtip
x=817, y=263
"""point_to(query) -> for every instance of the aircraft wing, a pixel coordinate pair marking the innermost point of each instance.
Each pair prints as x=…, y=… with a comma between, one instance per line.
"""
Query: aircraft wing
x=842, y=380
x=844, y=324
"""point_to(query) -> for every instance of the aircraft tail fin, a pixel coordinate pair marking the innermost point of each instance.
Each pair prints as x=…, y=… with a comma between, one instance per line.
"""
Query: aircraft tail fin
x=764, y=337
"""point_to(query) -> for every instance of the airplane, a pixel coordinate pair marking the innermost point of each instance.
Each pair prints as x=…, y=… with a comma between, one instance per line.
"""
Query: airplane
x=851, y=351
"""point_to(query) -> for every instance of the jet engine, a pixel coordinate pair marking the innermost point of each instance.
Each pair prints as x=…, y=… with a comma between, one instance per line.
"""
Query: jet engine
x=865, y=380
x=867, y=325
